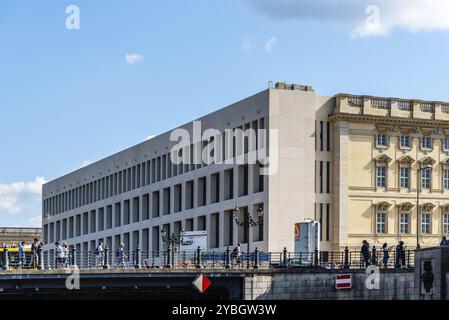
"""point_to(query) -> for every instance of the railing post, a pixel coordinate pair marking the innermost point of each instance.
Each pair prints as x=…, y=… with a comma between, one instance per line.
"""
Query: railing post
x=73, y=249
x=47, y=260
x=373, y=256
x=6, y=257
x=138, y=263
x=198, y=258
x=316, y=253
x=397, y=258
x=228, y=258
x=106, y=258
x=40, y=259
x=169, y=264
x=284, y=258
x=256, y=258
x=346, y=259
x=408, y=259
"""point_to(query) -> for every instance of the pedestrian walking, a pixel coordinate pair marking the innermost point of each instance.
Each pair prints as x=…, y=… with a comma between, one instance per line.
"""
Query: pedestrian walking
x=403, y=255
x=386, y=255
x=236, y=256
x=34, y=254
x=400, y=255
x=121, y=256
x=99, y=255
x=365, y=251
x=59, y=255
x=22, y=258
x=444, y=242
x=65, y=249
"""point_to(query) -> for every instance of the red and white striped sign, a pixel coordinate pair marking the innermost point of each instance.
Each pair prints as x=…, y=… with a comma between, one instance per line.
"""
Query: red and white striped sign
x=202, y=283
x=343, y=281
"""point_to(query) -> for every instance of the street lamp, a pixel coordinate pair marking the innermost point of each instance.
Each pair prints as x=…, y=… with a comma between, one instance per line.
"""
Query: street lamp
x=418, y=191
x=247, y=222
x=172, y=241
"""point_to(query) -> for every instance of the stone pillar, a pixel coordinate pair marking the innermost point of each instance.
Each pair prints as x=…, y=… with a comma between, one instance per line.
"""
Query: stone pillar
x=431, y=268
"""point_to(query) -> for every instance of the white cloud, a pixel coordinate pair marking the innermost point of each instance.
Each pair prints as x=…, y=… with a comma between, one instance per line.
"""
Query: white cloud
x=270, y=43
x=15, y=197
x=247, y=45
x=132, y=58
x=361, y=15
x=35, y=222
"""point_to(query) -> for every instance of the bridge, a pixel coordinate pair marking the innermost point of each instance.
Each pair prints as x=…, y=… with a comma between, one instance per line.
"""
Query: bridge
x=169, y=275
x=409, y=275
x=118, y=284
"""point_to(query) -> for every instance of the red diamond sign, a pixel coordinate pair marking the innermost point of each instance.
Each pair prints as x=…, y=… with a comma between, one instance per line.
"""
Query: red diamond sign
x=202, y=283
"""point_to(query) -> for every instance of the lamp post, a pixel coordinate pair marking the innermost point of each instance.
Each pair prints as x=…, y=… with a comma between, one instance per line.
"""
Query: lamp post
x=172, y=241
x=247, y=222
x=418, y=192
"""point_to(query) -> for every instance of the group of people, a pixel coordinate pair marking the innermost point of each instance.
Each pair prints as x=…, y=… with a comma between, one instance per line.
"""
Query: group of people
x=366, y=252
x=63, y=255
x=30, y=261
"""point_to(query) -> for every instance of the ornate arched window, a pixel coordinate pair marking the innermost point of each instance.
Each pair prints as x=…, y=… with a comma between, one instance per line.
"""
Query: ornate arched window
x=404, y=166
x=426, y=175
x=445, y=174
x=381, y=217
x=426, y=217
x=381, y=162
x=445, y=219
x=405, y=217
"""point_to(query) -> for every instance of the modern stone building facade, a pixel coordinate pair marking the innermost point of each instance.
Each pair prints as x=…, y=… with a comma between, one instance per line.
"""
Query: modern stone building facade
x=339, y=160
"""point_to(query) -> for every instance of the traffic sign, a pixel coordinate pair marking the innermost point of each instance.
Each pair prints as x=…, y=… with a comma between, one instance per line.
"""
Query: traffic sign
x=202, y=283
x=343, y=281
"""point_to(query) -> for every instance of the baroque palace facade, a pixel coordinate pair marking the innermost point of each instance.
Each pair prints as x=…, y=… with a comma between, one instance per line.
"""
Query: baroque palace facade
x=386, y=151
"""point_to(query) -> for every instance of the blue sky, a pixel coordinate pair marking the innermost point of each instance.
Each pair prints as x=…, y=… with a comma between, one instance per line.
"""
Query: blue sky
x=69, y=97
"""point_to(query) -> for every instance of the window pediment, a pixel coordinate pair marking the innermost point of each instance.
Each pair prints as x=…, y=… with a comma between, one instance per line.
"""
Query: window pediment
x=445, y=207
x=382, y=206
x=427, y=161
x=406, y=206
x=406, y=159
x=445, y=162
x=405, y=130
x=383, y=128
x=382, y=158
x=427, y=207
x=427, y=131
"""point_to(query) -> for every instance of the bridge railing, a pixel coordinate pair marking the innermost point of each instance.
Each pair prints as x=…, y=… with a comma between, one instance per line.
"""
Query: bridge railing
x=173, y=259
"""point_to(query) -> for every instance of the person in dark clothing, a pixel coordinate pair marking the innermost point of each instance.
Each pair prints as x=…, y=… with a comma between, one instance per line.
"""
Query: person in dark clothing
x=386, y=255
x=365, y=252
x=400, y=255
x=403, y=255
x=444, y=242
x=34, y=247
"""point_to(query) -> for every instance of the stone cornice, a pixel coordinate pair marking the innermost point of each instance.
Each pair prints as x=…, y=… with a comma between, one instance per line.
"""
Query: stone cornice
x=388, y=120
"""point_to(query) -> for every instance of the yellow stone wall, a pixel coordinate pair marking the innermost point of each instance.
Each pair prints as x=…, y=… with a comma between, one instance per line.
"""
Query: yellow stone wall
x=363, y=197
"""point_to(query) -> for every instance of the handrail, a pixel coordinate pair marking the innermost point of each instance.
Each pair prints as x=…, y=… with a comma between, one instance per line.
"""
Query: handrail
x=141, y=259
